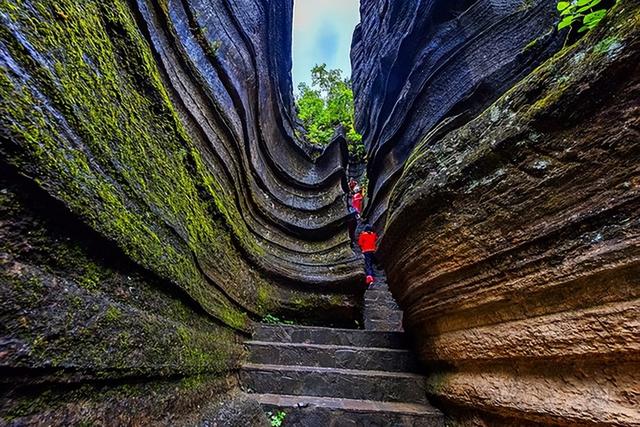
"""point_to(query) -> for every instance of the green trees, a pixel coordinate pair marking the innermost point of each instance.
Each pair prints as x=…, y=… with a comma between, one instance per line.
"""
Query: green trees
x=327, y=104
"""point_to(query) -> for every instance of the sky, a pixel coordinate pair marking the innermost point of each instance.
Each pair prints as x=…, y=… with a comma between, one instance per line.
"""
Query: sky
x=322, y=31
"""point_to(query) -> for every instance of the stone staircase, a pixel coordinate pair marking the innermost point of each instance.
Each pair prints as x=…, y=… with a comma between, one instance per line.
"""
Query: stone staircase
x=381, y=313
x=340, y=377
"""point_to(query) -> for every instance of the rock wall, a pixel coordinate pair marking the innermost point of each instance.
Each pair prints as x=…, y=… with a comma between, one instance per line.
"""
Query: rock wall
x=513, y=244
x=425, y=67
x=154, y=201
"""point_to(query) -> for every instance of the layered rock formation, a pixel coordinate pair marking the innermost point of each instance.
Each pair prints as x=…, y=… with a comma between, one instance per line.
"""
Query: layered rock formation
x=154, y=199
x=428, y=66
x=513, y=242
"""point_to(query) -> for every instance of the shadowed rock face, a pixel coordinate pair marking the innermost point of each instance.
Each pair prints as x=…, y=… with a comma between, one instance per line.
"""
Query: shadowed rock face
x=512, y=244
x=154, y=198
x=428, y=66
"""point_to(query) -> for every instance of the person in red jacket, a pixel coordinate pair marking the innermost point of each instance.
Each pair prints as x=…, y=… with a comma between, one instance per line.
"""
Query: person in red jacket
x=356, y=201
x=352, y=184
x=367, y=241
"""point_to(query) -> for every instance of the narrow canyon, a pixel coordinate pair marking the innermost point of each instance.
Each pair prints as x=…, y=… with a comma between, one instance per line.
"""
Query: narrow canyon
x=158, y=200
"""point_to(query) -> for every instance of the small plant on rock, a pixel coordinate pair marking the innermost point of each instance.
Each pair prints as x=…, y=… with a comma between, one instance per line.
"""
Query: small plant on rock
x=276, y=419
x=586, y=13
x=270, y=319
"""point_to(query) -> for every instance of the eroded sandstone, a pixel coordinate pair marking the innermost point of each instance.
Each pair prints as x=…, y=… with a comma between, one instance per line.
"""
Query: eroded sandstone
x=429, y=66
x=520, y=276
x=155, y=199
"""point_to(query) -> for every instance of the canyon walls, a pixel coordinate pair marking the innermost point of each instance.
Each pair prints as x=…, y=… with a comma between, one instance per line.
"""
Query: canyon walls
x=154, y=201
x=512, y=237
x=425, y=67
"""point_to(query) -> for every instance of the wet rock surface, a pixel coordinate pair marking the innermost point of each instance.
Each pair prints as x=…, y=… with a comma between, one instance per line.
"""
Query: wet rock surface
x=237, y=409
x=381, y=312
x=330, y=336
x=330, y=376
x=332, y=356
x=88, y=335
x=342, y=412
x=512, y=244
x=155, y=201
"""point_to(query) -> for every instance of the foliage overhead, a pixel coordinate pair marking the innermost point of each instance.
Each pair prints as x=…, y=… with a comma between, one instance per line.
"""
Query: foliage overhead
x=587, y=13
x=326, y=104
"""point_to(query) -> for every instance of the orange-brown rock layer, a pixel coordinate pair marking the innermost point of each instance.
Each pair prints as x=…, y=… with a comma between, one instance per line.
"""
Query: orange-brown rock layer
x=513, y=244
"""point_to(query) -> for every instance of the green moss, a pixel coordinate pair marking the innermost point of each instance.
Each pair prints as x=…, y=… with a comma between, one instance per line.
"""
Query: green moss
x=87, y=404
x=27, y=406
x=304, y=302
x=550, y=98
x=95, y=126
x=263, y=298
x=336, y=299
x=127, y=329
x=210, y=47
x=193, y=382
x=112, y=314
x=133, y=176
x=91, y=277
x=196, y=353
x=30, y=289
x=606, y=44
x=235, y=318
x=533, y=43
x=583, y=56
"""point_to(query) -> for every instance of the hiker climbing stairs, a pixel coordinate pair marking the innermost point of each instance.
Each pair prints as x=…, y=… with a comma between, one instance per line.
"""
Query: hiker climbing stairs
x=333, y=377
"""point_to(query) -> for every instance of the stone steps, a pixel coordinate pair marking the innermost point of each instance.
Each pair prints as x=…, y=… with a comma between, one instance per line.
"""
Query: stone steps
x=380, y=299
x=331, y=356
x=327, y=376
x=392, y=316
x=324, y=411
x=381, y=312
x=381, y=325
x=341, y=377
x=334, y=382
x=330, y=336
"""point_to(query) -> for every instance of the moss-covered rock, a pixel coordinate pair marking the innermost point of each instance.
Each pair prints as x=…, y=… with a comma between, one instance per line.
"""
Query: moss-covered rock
x=154, y=200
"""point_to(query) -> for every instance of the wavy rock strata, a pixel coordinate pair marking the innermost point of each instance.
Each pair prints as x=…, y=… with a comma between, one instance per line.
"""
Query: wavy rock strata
x=513, y=244
x=153, y=199
x=428, y=66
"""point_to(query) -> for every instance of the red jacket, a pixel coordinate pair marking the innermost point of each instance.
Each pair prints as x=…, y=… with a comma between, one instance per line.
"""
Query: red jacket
x=357, y=202
x=367, y=241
